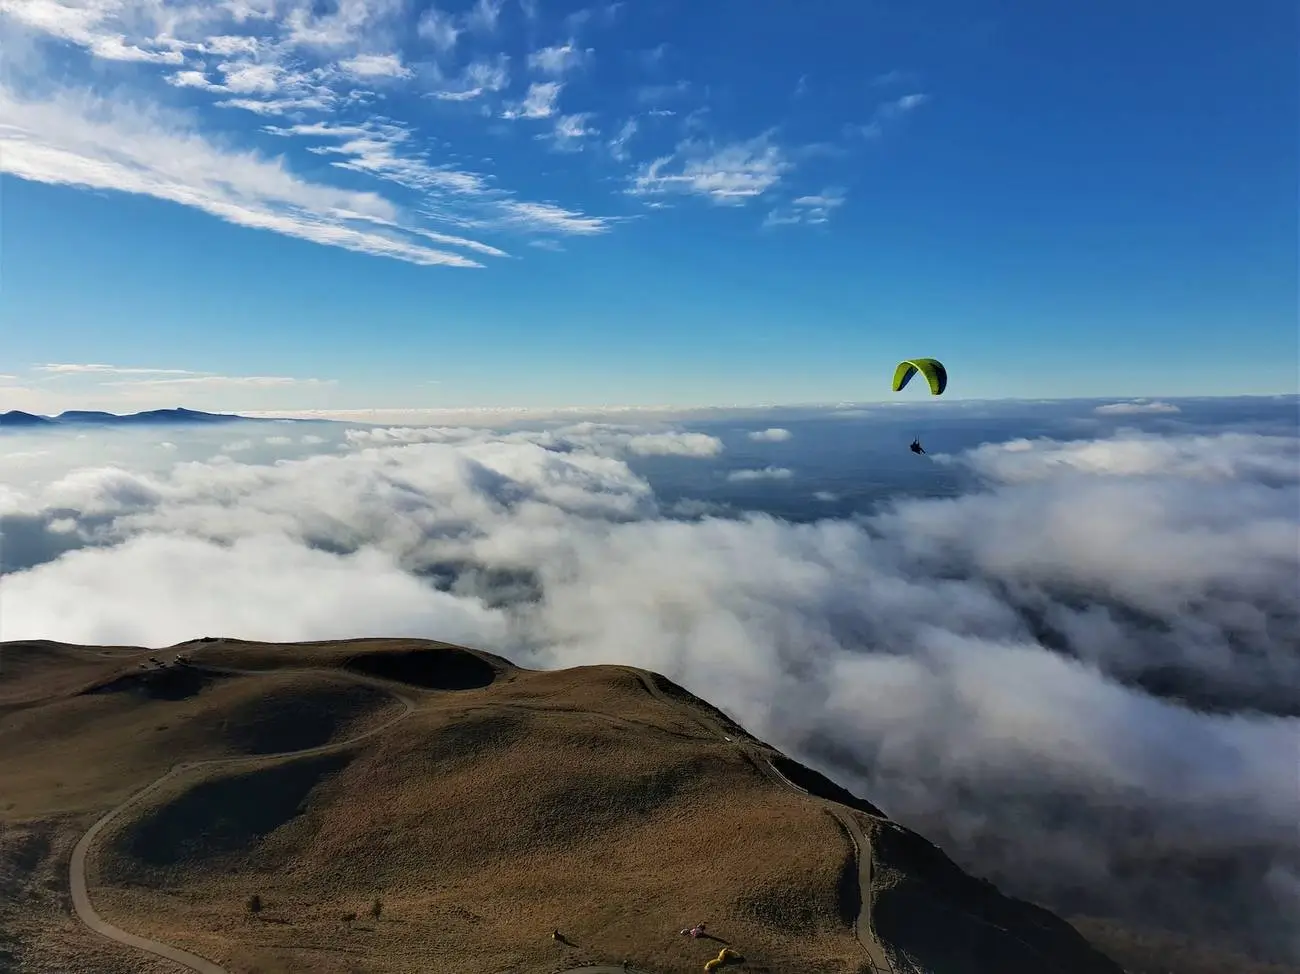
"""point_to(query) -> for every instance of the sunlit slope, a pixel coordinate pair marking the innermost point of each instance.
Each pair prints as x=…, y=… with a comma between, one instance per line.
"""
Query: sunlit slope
x=483, y=806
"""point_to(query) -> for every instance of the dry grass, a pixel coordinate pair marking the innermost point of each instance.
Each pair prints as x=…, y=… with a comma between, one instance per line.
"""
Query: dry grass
x=509, y=804
x=617, y=840
x=38, y=934
x=92, y=748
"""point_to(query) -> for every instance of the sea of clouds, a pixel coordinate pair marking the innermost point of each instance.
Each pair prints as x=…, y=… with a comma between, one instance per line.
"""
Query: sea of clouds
x=1078, y=670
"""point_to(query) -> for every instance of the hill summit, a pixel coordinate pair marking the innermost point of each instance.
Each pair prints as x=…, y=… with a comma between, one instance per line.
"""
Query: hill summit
x=400, y=805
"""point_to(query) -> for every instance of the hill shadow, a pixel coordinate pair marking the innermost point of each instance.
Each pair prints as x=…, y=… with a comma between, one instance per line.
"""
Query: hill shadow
x=983, y=929
x=679, y=693
x=296, y=719
x=431, y=669
x=224, y=816
x=816, y=783
x=159, y=683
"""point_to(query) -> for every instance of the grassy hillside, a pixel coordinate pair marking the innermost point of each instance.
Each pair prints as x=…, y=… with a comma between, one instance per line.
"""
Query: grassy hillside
x=480, y=806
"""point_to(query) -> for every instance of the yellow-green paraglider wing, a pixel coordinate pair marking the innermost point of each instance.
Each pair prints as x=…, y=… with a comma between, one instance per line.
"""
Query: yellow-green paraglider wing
x=931, y=368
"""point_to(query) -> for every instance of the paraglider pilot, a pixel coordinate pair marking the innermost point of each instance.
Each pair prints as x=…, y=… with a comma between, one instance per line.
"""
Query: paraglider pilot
x=916, y=447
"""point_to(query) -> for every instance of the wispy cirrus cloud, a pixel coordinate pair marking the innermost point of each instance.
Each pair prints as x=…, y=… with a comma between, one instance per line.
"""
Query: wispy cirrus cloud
x=220, y=382
x=484, y=16
x=164, y=99
x=439, y=28
x=571, y=131
x=95, y=368
x=559, y=59
x=273, y=61
x=618, y=145
x=808, y=210
x=481, y=77
x=372, y=66
x=77, y=140
x=539, y=102
x=120, y=376
x=887, y=112
x=93, y=27
x=729, y=174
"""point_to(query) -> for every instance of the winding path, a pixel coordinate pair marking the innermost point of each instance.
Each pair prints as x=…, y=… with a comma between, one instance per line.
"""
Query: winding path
x=85, y=910
x=862, y=927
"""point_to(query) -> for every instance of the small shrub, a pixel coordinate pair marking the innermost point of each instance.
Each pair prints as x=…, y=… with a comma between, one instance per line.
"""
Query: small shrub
x=350, y=917
x=254, y=904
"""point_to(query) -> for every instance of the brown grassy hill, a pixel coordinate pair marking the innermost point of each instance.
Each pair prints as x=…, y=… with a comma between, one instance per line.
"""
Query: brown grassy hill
x=488, y=806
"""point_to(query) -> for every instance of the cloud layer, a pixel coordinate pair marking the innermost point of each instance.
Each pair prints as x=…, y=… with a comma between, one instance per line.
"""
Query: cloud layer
x=1079, y=677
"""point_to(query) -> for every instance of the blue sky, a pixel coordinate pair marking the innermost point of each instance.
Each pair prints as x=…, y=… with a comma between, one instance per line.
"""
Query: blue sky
x=275, y=204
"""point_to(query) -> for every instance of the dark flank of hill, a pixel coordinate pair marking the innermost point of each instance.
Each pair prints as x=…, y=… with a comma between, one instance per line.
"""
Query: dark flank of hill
x=93, y=417
x=150, y=417
x=16, y=417
x=380, y=805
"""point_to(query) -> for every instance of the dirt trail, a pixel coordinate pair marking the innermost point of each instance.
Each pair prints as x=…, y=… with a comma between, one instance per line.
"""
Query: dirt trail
x=85, y=911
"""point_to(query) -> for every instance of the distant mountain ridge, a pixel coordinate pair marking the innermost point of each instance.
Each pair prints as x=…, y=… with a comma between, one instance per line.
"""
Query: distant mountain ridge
x=92, y=417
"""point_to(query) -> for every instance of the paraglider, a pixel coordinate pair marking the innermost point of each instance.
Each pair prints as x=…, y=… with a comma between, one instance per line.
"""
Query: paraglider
x=935, y=375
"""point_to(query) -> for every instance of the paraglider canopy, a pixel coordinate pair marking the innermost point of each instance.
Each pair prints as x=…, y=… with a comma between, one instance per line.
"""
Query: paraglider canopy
x=935, y=374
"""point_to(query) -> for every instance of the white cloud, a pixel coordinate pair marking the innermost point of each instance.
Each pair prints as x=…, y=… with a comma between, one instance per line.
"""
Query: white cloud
x=371, y=66
x=484, y=16
x=600, y=438
x=219, y=381
x=552, y=218
x=558, y=59
x=68, y=368
x=890, y=111
x=344, y=64
x=1227, y=456
x=812, y=209
x=439, y=29
x=74, y=140
x=90, y=25
x=539, y=102
x=1137, y=406
x=730, y=174
x=973, y=663
x=345, y=24
x=570, y=131
x=774, y=434
x=763, y=473
x=901, y=106
x=480, y=78
x=675, y=444
x=301, y=62
x=377, y=149
x=618, y=144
